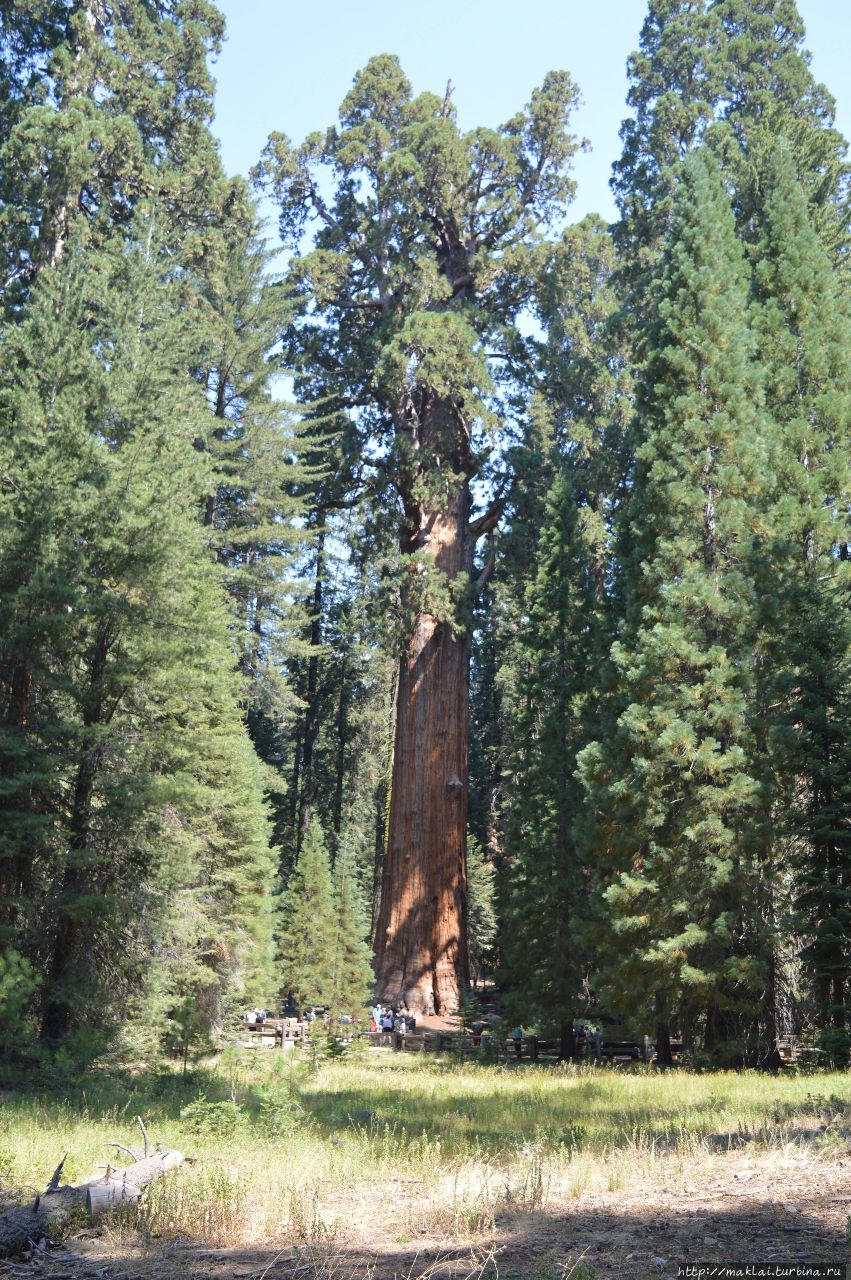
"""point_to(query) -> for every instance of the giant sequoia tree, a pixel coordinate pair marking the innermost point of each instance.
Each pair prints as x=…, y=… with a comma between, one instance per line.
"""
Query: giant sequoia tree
x=422, y=263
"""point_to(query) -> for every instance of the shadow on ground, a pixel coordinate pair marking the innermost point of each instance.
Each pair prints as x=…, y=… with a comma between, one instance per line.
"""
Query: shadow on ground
x=590, y=1242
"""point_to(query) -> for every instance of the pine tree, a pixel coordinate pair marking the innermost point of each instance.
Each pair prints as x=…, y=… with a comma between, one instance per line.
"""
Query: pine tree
x=674, y=87
x=117, y=674
x=481, y=907
x=804, y=333
x=120, y=115
x=352, y=978
x=768, y=90
x=547, y=887
x=306, y=940
x=670, y=792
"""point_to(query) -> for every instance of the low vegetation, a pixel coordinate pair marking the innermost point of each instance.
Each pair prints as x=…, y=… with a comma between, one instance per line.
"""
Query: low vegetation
x=293, y=1152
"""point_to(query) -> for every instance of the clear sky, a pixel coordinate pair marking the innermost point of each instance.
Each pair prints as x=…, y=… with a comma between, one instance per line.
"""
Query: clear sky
x=287, y=64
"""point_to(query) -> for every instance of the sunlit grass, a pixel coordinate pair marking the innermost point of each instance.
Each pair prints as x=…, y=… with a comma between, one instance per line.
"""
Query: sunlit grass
x=458, y=1145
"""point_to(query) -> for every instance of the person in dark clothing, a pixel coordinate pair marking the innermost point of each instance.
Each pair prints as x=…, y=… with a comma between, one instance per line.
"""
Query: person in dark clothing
x=386, y=1025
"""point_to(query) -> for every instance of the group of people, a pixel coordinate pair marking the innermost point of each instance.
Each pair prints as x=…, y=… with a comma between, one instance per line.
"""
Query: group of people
x=392, y=1024
x=256, y=1018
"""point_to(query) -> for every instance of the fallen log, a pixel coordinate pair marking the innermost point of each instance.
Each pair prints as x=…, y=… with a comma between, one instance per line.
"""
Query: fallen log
x=126, y=1185
x=104, y=1196
x=47, y=1214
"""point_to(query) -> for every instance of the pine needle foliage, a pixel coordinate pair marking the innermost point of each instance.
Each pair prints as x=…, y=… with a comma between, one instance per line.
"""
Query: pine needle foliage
x=804, y=334
x=671, y=793
x=307, y=933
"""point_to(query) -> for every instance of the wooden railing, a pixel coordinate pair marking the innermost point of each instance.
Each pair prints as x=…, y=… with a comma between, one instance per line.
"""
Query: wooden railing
x=290, y=1033
x=465, y=1044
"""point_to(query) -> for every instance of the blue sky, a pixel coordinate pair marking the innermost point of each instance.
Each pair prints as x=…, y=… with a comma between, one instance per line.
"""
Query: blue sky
x=287, y=64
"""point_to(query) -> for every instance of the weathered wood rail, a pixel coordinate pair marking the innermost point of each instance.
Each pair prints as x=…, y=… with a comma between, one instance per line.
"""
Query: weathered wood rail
x=286, y=1032
x=291, y=1033
x=793, y=1051
x=487, y=1046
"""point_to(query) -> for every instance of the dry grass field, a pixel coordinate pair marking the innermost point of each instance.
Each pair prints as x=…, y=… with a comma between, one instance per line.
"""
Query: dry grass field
x=387, y=1166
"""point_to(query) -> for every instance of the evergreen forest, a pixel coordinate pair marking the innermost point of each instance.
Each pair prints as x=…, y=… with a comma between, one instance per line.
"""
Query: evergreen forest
x=422, y=592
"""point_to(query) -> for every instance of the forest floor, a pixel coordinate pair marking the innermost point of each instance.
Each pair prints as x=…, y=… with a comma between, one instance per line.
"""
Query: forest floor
x=394, y=1168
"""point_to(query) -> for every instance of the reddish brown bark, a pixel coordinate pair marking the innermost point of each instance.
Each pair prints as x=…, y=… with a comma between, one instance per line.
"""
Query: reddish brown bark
x=421, y=933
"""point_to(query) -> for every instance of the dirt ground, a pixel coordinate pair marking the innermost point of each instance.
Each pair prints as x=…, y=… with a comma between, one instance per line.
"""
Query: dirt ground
x=736, y=1207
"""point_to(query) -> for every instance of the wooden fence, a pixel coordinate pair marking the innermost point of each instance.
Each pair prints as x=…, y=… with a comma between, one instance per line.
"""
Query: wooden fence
x=291, y=1033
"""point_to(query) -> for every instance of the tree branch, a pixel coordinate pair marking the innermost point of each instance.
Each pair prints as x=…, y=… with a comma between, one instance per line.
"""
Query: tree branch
x=488, y=568
x=460, y=283
x=370, y=304
x=491, y=518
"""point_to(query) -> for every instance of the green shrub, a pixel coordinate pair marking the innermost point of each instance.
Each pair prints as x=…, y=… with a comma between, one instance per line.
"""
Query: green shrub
x=277, y=1116
x=213, y=1119
x=17, y=985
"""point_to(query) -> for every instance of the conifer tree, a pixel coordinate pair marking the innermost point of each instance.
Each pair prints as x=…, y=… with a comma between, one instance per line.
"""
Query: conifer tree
x=735, y=73
x=576, y=429
x=482, y=910
x=120, y=115
x=767, y=90
x=87, y=587
x=588, y=384
x=306, y=939
x=352, y=978
x=117, y=675
x=497, y=615
x=256, y=499
x=410, y=282
x=802, y=324
x=547, y=888
x=804, y=334
x=260, y=481
x=486, y=730
x=674, y=85
x=670, y=792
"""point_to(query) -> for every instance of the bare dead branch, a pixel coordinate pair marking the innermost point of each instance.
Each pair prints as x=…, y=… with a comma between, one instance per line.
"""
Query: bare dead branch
x=141, y=1125
x=57, y=1174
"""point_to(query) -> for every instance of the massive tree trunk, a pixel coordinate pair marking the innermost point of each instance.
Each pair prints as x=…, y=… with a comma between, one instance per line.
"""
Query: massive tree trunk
x=421, y=933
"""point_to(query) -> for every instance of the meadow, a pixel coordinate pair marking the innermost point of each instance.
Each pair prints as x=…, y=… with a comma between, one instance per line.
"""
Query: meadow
x=294, y=1155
